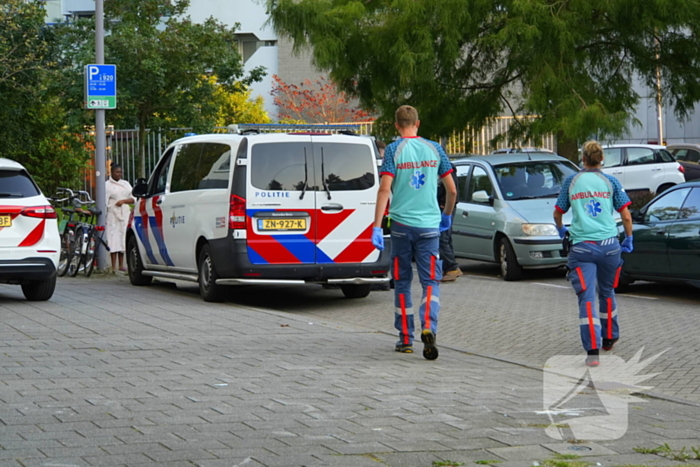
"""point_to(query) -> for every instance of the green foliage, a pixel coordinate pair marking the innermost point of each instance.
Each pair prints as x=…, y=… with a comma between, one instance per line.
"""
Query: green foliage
x=572, y=63
x=487, y=462
x=238, y=107
x=447, y=463
x=164, y=64
x=640, y=198
x=34, y=127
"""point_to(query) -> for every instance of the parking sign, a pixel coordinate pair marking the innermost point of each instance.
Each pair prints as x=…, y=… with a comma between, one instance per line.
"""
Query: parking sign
x=100, y=87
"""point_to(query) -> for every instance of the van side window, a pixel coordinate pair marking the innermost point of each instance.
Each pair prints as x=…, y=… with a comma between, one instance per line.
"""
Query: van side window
x=214, y=166
x=462, y=177
x=346, y=166
x=185, y=171
x=160, y=176
x=281, y=167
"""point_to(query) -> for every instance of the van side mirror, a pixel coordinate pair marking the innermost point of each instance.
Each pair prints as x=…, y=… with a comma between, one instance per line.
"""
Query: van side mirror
x=141, y=189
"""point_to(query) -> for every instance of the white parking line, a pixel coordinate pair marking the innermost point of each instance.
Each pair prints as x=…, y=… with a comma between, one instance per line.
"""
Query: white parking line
x=636, y=296
x=552, y=285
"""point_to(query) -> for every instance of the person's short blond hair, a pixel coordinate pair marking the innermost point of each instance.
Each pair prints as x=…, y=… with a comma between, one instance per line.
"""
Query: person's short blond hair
x=406, y=116
x=592, y=153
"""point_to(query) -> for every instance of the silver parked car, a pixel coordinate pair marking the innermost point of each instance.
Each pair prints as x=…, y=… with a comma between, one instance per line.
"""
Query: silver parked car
x=504, y=210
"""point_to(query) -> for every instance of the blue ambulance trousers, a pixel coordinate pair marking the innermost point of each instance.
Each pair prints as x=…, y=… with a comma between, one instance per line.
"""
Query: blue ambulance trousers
x=596, y=265
x=423, y=245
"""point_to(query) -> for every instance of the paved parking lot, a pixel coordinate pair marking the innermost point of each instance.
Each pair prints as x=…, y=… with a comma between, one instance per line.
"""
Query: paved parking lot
x=110, y=374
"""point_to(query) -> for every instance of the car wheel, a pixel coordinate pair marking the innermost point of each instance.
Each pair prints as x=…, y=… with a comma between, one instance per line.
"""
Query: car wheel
x=39, y=291
x=623, y=284
x=510, y=269
x=356, y=290
x=664, y=187
x=135, y=265
x=208, y=289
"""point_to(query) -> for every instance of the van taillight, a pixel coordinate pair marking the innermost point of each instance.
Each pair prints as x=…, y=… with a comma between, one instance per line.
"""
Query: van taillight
x=236, y=213
x=41, y=212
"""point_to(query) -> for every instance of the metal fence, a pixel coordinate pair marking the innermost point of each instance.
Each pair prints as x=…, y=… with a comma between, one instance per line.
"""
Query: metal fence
x=122, y=145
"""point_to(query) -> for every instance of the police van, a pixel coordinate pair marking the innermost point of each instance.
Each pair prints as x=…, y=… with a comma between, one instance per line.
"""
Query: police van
x=225, y=209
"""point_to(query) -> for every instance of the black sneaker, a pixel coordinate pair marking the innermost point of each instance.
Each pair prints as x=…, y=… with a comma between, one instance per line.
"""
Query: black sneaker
x=430, y=351
x=404, y=348
x=593, y=358
x=608, y=344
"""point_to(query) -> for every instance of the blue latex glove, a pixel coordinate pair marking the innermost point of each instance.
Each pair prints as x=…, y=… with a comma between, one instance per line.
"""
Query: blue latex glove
x=445, y=222
x=626, y=245
x=378, y=238
x=562, y=231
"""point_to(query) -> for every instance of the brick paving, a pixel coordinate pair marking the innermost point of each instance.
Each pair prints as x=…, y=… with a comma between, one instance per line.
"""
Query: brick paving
x=110, y=374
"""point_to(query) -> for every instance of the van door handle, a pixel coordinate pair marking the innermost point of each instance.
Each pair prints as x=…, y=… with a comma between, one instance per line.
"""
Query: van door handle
x=332, y=207
x=160, y=201
x=465, y=214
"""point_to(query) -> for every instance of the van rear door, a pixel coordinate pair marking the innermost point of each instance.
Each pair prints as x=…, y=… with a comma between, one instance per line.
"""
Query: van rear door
x=346, y=174
x=281, y=206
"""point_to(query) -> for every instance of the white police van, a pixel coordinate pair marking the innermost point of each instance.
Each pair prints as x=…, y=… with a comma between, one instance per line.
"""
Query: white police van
x=224, y=209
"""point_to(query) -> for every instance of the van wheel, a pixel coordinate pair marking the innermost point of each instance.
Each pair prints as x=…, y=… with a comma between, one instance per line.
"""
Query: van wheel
x=135, y=265
x=510, y=269
x=39, y=291
x=356, y=290
x=208, y=289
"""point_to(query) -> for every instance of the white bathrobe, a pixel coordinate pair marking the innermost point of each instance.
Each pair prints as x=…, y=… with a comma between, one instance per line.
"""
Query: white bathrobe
x=117, y=216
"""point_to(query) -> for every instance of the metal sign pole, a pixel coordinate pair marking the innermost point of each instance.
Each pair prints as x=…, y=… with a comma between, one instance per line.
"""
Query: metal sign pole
x=100, y=140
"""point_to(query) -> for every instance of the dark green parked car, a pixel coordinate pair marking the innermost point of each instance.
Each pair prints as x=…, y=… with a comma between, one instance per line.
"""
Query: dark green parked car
x=666, y=238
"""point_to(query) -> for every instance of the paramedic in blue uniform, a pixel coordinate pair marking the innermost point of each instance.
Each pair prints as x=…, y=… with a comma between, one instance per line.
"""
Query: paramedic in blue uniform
x=410, y=175
x=595, y=256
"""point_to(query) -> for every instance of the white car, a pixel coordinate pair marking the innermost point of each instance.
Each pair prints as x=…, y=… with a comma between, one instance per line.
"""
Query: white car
x=642, y=167
x=29, y=239
x=259, y=209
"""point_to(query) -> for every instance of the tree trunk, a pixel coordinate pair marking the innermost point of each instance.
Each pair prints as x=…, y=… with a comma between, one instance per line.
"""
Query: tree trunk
x=567, y=147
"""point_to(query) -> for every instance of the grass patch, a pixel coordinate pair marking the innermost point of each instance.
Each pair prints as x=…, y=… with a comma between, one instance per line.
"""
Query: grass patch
x=566, y=456
x=487, y=462
x=668, y=452
x=563, y=463
x=447, y=463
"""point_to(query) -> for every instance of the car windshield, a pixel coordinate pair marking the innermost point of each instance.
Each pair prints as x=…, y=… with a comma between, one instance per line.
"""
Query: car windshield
x=533, y=179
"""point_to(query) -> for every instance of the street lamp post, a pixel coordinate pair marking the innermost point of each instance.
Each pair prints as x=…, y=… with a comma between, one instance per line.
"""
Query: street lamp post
x=100, y=136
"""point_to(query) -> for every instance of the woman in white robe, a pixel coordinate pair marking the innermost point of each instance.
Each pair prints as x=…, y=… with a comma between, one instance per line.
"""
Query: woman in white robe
x=118, y=193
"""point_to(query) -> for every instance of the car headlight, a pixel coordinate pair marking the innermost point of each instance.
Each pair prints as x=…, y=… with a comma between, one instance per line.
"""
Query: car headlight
x=540, y=229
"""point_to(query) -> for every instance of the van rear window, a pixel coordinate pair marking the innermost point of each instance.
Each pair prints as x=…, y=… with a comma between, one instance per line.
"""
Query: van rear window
x=286, y=166
x=16, y=184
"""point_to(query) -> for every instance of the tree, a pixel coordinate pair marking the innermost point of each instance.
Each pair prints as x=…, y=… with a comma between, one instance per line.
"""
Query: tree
x=238, y=107
x=164, y=64
x=316, y=101
x=35, y=128
x=572, y=63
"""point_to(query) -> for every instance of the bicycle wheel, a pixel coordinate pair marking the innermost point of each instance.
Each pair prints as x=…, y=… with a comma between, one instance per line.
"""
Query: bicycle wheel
x=90, y=253
x=66, y=252
x=76, y=258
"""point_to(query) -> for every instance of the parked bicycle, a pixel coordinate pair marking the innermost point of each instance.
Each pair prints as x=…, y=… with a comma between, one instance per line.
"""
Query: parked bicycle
x=88, y=238
x=70, y=207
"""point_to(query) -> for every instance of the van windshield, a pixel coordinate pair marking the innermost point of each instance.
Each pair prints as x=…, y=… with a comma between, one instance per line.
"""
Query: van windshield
x=535, y=179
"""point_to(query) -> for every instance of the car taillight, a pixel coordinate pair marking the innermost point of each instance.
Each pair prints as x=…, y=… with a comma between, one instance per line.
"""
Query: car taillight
x=41, y=212
x=681, y=169
x=236, y=213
